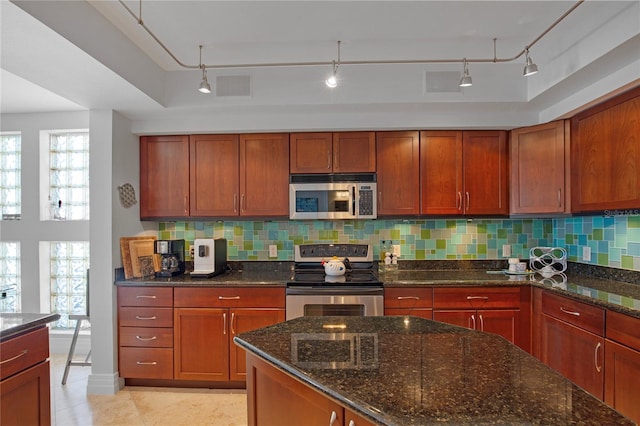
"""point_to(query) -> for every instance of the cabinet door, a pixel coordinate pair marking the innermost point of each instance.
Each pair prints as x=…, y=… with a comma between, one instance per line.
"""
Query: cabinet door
x=311, y=152
x=574, y=353
x=274, y=398
x=605, y=155
x=214, y=175
x=264, y=175
x=354, y=152
x=540, y=169
x=243, y=320
x=397, y=156
x=25, y=397
x=164, y=176
x=621, y=374
x=441, y=172
x=462, y=318
x=501, y=322
x=485, y=166
x=201, y=344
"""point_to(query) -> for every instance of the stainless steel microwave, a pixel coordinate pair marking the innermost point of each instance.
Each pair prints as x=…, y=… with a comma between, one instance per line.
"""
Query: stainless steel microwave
x=336, y=196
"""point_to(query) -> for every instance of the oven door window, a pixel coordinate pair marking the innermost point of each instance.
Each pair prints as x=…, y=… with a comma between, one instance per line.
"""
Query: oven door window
x=320, y=310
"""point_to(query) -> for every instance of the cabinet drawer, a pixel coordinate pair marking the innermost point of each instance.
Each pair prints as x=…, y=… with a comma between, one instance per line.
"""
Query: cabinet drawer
x=476, y=298
x=580, y=314
x=407, y=297
x=146, y=363
x=145, y=317
x=145, y=296
x=149, y=337
x=623, y=329
x=229, y=297
x=20, y=353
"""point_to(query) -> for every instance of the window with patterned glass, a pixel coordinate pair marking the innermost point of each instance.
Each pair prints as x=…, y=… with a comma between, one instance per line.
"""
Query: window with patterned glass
x=68, y=264
x=10, y=277
x=69, y=175
x=10, y=175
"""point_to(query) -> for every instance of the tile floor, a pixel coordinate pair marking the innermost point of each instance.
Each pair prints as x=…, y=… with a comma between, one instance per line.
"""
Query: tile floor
x=133, y=406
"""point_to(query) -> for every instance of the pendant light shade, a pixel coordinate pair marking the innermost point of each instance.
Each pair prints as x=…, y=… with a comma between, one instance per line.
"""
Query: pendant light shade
x=529, y=67
x=205, y=87
x=466, y=81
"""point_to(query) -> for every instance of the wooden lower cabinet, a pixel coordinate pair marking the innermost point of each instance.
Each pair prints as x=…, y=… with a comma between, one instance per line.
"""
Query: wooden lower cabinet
x=622, y=364
x=25, y=394
x=277, y=399
x=203, y=343
x=572, y=341
x=500, y=310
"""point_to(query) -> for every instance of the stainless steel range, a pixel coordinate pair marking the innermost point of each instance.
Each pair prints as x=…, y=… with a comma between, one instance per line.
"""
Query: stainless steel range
x=315, y=292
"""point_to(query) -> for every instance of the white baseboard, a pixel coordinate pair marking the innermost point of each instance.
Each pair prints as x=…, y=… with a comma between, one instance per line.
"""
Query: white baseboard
x=60, y=343
x=104, y=384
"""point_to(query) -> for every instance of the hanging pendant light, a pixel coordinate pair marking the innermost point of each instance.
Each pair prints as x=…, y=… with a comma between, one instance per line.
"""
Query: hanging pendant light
x=205, y=87
x=332, y=81
x=529, y=68
x=466, y=81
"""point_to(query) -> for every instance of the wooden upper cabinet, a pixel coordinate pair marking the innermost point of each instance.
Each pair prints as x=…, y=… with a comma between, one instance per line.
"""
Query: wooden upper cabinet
x=264, y=174
x=441, y=172
x=540, y=169
x=340, y=152
x=485, y=171
x=464, y=173
x=605, y=155
x=164, y=176
x=397, y=156
x=214, y=175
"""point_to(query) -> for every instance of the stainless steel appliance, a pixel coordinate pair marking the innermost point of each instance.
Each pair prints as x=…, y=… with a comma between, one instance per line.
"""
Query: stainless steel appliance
x=311, y=292
x=209, y=257
x=334, y=196
x=171, y=257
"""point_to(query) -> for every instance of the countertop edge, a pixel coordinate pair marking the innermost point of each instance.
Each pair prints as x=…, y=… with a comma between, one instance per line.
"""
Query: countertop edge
x=27, y=322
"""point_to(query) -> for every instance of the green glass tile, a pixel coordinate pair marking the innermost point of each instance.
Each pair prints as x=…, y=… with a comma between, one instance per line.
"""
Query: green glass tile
x=450, y=224
x=247, y=245
x=395, y=234
x=626, y=301
x=598, y=234
x=482, y=249
x=420, y=254
x=633, y=221
x=502, y=234
x=603, y=259
x=441, y=244
x=627, y=262
x=517, y=228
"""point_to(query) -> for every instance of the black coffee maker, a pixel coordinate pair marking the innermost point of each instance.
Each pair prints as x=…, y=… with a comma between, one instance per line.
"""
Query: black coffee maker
x=171, y=257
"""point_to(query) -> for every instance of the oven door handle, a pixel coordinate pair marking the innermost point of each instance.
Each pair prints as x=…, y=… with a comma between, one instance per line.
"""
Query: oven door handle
x=334, y=291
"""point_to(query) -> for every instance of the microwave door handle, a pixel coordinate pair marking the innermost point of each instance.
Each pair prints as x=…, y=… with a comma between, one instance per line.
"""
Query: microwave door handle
x=353, y=200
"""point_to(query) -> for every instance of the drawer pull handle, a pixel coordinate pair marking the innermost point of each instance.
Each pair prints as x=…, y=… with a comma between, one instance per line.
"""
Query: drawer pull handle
x=598, y=367
x=146, y=363
x=145, y=296
x=408, y=298
x=352, y=423
x=146, y=339
x=233, y=319
x=228, y=297
x=566, y=311
x=333, y=418
x=138, y=317
x=23, y=353
x=477, y=298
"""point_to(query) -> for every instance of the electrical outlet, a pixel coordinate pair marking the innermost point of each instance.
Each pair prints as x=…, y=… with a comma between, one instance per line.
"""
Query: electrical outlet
x=273, y=250
x=586, y=253
x=395, y=249
x=192, y=251
x=506, y=250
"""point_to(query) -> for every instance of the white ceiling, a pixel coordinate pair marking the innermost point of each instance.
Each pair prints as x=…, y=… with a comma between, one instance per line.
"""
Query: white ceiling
x=78, y=54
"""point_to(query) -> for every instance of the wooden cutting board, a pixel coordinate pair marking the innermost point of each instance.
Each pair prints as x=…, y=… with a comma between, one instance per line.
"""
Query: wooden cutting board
x=125, y=252
x=144, y=262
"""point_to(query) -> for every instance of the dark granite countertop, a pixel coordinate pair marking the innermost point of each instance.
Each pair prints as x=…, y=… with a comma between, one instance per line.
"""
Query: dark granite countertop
x=12, y=324
x=415, y=371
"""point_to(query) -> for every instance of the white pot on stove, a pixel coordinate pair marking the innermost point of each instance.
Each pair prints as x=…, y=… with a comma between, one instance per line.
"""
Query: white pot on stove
x=334, y=267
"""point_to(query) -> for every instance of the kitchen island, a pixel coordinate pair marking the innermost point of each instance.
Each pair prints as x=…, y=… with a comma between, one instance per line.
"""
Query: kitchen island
x=403, y=371
x=24, y=369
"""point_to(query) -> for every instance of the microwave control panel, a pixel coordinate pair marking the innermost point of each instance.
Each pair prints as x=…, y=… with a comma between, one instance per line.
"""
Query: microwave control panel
x=366, y=202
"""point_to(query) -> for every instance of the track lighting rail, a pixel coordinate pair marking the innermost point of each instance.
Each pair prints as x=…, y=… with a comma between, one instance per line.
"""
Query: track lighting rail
x=495, y=59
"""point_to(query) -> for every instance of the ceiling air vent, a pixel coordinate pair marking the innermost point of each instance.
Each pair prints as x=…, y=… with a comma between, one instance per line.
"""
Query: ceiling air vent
x=233, y=85
x=442, y=82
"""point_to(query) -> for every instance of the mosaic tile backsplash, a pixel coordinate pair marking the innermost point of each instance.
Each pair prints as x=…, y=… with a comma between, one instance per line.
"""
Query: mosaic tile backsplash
x=614, y=241
x=441, y=239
